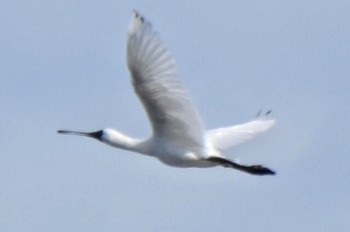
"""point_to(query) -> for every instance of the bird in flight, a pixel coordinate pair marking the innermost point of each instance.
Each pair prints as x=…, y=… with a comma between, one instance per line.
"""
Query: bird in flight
x=178, y=138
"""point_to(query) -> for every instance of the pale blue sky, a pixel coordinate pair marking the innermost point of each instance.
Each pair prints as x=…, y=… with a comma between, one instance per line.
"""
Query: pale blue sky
x=62, y=65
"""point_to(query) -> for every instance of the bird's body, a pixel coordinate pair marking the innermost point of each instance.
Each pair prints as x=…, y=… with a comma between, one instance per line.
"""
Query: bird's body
x=178, y=137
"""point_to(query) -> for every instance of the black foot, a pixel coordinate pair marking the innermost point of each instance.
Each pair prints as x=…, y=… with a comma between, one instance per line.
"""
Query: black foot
x=258, y=170
x=253, y=169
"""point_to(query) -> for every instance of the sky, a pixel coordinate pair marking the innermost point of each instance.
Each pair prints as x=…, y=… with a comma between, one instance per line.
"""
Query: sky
x=62, y=66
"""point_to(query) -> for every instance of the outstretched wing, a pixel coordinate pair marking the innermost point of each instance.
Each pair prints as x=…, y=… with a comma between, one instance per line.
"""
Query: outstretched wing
x=224, y=138
x=155, y=81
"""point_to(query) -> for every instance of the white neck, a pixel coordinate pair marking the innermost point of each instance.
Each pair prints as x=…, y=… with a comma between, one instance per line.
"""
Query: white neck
x=116, y=139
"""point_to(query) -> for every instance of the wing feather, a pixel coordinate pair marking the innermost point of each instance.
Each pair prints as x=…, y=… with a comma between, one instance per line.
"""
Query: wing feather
x=224, y=138
x=153, y=72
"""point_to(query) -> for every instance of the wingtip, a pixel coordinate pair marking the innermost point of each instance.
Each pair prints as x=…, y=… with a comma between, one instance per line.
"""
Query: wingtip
x=261, y=113
x=135, y=13
x=136, y=22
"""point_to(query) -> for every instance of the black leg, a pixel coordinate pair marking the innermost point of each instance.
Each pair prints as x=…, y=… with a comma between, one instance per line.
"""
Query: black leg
x=252, y=169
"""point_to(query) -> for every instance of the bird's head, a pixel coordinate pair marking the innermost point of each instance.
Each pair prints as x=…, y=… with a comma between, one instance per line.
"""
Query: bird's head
x=108, y=136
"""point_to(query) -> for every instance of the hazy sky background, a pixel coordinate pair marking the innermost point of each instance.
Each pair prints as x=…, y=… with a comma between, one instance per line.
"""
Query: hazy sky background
x=62, y=66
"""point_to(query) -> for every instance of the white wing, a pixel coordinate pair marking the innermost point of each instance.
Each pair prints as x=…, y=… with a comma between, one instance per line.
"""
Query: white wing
x=154, y=78
x=224, y=138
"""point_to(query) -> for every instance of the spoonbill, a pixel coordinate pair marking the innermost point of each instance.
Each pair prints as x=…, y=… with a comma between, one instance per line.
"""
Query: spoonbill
x=178, y=138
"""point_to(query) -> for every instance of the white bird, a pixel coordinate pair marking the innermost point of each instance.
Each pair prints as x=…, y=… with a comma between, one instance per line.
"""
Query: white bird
x=178, y=138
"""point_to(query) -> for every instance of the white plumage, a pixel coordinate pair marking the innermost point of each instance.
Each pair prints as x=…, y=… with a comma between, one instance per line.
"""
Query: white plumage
x=224, y=138
x=178, y=138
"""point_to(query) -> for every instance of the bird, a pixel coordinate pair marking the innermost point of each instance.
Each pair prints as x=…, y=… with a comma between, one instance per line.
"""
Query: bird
x=178, y=138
